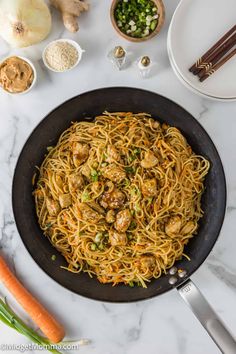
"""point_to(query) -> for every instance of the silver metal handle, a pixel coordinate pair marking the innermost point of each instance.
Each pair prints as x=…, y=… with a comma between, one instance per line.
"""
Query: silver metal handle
x=208, y=318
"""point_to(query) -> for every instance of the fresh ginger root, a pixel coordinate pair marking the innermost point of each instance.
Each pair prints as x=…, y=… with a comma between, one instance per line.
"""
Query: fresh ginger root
x=70, y=10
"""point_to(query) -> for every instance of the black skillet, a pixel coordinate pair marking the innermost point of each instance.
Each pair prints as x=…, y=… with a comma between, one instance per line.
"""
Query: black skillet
x=87, y=106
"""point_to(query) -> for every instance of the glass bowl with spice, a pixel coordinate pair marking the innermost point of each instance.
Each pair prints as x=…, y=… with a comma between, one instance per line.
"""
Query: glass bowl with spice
x=17, y=75
x=62, y=55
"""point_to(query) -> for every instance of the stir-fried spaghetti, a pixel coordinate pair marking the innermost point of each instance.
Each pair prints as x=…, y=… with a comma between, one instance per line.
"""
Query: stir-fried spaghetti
x=120, y=197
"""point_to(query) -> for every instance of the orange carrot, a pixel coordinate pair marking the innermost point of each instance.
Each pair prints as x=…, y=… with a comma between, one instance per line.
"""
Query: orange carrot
x=48, y=325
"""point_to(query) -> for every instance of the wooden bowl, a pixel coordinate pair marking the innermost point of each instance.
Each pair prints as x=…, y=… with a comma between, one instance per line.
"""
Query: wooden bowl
x=161, y=12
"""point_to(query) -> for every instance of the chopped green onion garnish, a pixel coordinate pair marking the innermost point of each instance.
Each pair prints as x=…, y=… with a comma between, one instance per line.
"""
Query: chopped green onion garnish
x=94, y=175
x=98, y=237
x=130, y=169
x=137, y=151
x=101, y=247
x=93, y=246
x=150, y=200
x=132, y=225
x=131, y=284
x=135, y=191
x=85, y=196
x=126, y=182
x=53, y=258
x=153, y=25
x=137, y=207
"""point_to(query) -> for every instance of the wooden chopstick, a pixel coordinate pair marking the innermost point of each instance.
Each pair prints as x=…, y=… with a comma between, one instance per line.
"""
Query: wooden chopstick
x=195, y=66
x=217, y=55
x=218, y=65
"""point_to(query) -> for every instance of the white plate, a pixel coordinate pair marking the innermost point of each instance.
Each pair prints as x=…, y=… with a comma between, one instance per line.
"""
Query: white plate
x=195, y=27
x=175, y=69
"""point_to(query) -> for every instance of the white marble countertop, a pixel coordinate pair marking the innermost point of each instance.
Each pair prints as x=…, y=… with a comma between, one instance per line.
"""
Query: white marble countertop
x=163, y=325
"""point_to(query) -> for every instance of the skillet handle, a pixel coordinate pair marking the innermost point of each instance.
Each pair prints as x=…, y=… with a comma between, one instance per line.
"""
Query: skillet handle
x=208, y=318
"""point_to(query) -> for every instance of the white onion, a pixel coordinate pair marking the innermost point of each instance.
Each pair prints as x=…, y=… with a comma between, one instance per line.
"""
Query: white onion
x=24, y=22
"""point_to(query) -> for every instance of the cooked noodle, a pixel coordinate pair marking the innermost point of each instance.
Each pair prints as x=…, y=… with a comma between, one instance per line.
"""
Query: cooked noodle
x=120, y=197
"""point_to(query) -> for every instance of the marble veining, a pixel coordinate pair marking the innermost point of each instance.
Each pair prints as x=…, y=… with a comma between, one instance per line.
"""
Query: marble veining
x=162, y=325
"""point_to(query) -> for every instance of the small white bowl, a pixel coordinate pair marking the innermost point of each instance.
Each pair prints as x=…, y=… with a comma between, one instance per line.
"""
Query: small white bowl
x=75, y=45
x=34, y=71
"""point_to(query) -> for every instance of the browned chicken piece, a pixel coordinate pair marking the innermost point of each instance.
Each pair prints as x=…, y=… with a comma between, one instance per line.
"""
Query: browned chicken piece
x=76, y=181
x=80, y=153
x=123, y=220
x=113, y=200
x=65, y=200
x=188, y=228
x=85, y=170
x=165, y=126
x=95, y=206
x=110, y=217
x=154, y=124
x=59, y=181
x=146, y=264
x=113, y=154
x=52, y=206
x=89, y=214
x=149, y=187
x=109, y=186
x=117, y=239
x=173, y=226
x=114, y=173
x=97, y=187
x=150, y=160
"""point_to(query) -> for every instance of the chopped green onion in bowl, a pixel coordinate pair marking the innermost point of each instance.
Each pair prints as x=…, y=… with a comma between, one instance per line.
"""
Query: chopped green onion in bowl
x=136, y=18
